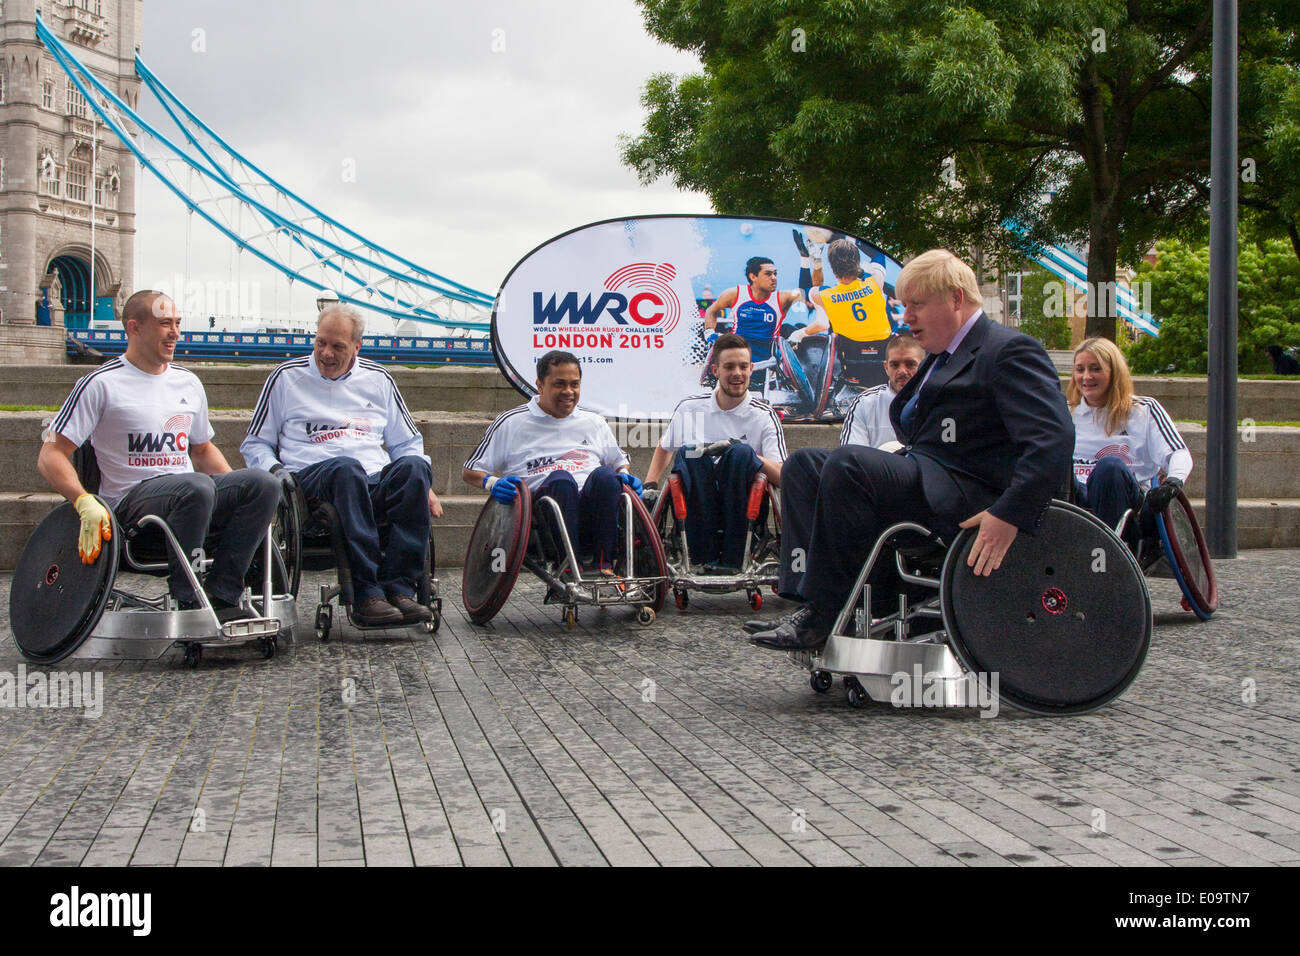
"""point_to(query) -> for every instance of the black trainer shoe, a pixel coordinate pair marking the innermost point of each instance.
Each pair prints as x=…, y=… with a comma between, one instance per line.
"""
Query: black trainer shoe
x=225, y=610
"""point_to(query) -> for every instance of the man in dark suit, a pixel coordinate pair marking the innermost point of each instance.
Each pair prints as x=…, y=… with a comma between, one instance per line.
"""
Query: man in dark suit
x=987, y=441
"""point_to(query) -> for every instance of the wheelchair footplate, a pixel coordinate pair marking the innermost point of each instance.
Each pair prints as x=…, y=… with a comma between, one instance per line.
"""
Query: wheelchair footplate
x=762, y=547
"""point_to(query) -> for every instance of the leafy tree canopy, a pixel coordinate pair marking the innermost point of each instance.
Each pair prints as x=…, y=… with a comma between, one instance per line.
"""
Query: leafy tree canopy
x=930, y=123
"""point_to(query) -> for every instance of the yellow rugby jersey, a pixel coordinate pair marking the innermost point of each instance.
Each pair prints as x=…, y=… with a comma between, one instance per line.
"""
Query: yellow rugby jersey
x=857, y=311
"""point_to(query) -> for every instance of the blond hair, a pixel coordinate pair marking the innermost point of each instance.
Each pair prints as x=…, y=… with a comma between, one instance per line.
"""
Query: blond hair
x=1119, y=396
x=938, y=271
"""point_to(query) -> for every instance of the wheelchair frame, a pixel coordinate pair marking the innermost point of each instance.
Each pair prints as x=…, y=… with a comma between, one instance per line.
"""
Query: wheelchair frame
x=426, y=587
x=134, y=627
x=571, y=589
x=560, y=570
x=682, y=578
x=917, y=638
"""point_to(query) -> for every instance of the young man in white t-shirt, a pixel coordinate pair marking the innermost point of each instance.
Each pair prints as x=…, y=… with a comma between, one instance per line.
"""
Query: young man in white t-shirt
x=867, y=422
x=147, y=420
x=560, y=452
x=337, y=422
x=718, y=490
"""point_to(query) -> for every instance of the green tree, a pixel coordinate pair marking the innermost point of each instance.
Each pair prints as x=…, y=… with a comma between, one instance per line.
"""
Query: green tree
x=1270, y=145
x=1039, y=314
x=933, y=122
x=1268, y=291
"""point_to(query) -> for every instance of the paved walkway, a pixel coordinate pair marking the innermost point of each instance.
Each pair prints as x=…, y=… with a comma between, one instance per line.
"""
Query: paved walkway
x=524, y=743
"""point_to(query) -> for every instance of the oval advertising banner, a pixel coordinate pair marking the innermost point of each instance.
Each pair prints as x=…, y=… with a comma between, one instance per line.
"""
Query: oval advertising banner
x=639, y=301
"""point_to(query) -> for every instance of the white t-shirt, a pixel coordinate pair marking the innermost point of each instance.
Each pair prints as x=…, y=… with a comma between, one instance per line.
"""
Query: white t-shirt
x=700, y=420
x=302, y=417
x=867, y=422
x=140, y=425
x=1149, y=443
x=528, y=442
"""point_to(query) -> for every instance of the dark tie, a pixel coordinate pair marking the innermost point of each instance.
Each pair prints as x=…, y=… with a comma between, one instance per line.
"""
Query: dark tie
x=907, y=417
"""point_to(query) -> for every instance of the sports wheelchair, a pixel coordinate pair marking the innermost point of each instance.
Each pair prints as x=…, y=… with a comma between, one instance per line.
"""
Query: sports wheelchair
x=320, y=546
x=762, y=544
x=1178, y=551
x=61, y=608
x=1061, y=628
x=508, y=537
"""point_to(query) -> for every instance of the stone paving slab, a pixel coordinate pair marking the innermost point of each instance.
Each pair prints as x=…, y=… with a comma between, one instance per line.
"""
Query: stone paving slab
x=523, y=743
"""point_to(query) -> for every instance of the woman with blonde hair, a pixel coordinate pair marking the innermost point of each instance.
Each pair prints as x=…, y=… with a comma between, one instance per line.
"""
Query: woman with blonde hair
x=1123, y=442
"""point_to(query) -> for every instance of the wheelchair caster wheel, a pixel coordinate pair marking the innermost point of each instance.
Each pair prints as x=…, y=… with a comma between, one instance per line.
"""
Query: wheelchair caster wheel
x=645, y=615
x=821, y=681
x=268, y=648
x=756, y=600
x=193, y=654
x=570, y=617
x=682, y=600
x=432, y=626
x=855, y=694
x=324, y=620
x=774, y=590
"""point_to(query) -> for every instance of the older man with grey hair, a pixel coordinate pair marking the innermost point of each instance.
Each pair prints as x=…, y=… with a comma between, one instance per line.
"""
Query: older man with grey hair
x=338, y=424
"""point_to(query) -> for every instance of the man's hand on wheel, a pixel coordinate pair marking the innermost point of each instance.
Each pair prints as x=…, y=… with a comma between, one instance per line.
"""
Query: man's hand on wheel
x=991, y=543
x=96, y=527
x=650, y=493
x=435, y=506
x=504, y=490
x=1158, y=498
x=632, y=481
x=287, y=481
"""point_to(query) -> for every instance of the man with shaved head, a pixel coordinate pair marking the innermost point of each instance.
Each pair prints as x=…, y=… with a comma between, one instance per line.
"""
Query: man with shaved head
x=147, y=420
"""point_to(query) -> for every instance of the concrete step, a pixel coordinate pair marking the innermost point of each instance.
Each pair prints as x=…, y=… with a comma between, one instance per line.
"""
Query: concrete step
x=1261, y=523
x=1266, y=468
x=453, y=388
x=485, y=390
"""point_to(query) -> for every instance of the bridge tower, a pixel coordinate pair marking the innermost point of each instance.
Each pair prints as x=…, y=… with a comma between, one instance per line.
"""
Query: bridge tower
x=57, y=165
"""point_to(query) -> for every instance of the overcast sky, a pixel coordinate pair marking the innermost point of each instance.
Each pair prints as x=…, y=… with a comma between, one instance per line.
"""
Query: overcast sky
x=465, y=158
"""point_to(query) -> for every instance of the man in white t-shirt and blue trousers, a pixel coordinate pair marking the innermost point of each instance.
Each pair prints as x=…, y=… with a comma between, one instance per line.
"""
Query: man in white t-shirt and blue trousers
x=562, y=452
x=147, y=420
x=867, y=420
x=337, y=422
x=717, y=491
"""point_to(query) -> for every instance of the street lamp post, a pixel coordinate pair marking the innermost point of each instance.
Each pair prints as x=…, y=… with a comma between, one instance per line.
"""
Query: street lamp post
x=1221, y=417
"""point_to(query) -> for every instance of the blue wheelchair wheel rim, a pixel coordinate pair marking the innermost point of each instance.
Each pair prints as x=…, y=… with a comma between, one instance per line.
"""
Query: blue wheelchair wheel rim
x=1202, y=604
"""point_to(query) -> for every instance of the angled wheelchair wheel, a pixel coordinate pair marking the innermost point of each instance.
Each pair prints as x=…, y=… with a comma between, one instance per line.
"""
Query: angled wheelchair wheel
x=286, y=550
x=788, y=362
x=1063, y=625
x=55, y=601
x=648, y=548
x=496, y=552
x=1188, y=556
x=826, y=380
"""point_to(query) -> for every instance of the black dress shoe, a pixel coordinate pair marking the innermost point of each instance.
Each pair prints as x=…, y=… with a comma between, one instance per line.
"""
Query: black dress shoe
x=771, y=623
x=376, y=612
x=412, y=611
x=805, y=633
